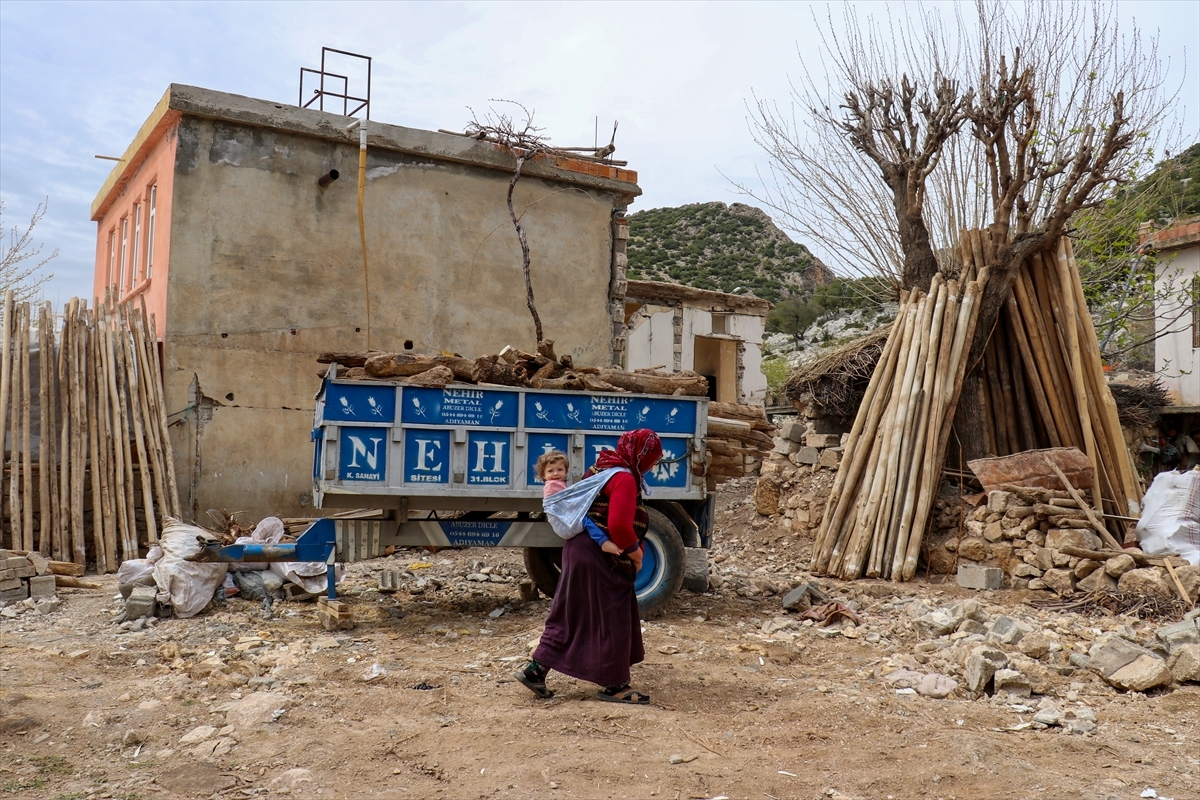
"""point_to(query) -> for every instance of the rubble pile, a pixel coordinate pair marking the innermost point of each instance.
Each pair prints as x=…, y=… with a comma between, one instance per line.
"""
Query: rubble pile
x=1042, y=539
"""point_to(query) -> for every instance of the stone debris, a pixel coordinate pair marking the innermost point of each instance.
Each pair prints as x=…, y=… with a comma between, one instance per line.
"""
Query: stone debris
x=27, y=584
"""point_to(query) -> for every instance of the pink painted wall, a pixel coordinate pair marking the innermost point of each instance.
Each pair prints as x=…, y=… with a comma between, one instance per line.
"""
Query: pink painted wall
x=152, y=166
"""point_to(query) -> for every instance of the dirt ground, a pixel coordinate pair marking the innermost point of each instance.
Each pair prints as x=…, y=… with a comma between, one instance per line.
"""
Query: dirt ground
x=419, y=699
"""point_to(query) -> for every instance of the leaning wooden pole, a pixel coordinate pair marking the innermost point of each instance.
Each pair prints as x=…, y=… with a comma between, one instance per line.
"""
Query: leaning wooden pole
x=5, y=383
x=160, y=401
x=26, y=431
x=45, y=432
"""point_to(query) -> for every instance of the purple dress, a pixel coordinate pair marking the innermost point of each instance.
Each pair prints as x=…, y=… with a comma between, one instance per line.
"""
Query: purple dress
x=593, y=631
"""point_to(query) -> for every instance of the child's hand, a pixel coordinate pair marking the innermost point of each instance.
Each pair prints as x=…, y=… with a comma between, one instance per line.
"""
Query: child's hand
x=609, y=547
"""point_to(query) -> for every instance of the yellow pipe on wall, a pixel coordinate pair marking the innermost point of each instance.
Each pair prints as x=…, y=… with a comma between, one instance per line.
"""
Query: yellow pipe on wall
x=362, y=229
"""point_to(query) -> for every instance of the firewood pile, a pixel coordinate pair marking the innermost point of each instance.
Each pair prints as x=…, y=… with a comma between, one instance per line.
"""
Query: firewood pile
x=1043, y=387
x=739, y=436
x=88, y=466
x=511, y=367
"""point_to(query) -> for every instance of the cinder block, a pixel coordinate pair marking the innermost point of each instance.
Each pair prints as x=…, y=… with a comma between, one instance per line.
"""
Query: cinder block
x=822, y=440
x=8, y=584
x=8, y=574
x=15, y=595
x=141, y=603
x=695, y=569
x=975, y=576
x=25, y=570
x=41, y=587
x=831, y=457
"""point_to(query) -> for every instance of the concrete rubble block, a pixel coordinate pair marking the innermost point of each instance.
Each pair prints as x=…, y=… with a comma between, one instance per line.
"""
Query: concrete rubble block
x=1058, y=538
x=1119, y=565
x=1060, y=581
x=1148, y=580
x=47, y=605
x=389, y=580
x=695, y=569
x=142, y=602
x=1179, y=634
x=997, y=501
x=831, y=458
x=1086, y=567
x=977, y=576
x=808, y=455
x=41, y=587
x=793, y=429
x=1012, y=682
x=1079, y=720
x=969, y=609
x=783, y=447
x=981, y=667
x=1184, y=663
x=41, y=564
x=1144, y=672
x=1007, y=630
x=936, y=623
x=822, y=439
x=936, y=686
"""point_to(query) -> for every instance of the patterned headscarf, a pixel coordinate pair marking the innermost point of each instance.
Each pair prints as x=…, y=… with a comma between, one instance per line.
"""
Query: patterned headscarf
x=638, y=451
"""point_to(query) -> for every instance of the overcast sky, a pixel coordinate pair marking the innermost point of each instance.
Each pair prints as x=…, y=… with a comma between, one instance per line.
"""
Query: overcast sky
x=79, y=79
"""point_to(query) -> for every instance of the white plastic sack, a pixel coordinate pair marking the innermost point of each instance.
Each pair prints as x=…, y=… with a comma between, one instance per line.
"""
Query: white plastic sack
x=265, y=532
x=566, y=509
x=190, y=584
x=1170, y=523
x=135, y=568
x=312, y=576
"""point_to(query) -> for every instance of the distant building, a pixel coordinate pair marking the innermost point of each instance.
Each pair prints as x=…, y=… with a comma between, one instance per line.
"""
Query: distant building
x=716, y=334
x=1177, y=346
x=214, y=215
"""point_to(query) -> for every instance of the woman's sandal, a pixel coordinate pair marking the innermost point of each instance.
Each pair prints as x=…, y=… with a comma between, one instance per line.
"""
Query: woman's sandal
x=624, y=695
x=538, y=688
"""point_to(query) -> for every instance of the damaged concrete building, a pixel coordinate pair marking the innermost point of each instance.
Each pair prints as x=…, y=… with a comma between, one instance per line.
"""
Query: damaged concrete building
x=252, y=268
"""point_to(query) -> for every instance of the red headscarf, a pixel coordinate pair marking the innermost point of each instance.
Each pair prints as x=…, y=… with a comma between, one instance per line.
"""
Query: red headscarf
x=637, y=451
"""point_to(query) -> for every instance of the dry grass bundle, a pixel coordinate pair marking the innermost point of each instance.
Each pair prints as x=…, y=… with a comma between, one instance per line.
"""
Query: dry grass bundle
x=837, y=380
x=1138, y=404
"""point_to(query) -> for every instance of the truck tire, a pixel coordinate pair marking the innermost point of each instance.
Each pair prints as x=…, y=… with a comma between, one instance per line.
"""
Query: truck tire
x=658, y=581
x=663, y=565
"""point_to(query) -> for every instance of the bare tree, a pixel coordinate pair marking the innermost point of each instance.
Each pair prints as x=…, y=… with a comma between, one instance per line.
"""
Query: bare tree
x=21, y=269
x=1017, y=118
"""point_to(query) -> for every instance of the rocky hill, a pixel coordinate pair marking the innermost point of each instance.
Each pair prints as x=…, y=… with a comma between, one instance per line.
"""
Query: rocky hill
x=735, y=248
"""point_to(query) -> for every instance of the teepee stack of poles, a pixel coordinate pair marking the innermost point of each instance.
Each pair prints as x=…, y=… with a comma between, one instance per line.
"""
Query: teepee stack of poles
x=101, y=432
x=892, y=464
x=1042, y=385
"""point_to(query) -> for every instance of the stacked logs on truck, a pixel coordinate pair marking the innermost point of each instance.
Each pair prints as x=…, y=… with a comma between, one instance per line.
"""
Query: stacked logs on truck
x=1044, y=382
x=88, y=476
x=1042, y=386
x=511, y=367
x=739, y=438
x=892, y=464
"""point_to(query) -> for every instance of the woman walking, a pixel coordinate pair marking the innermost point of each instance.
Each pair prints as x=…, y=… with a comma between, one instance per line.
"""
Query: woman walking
x=593, y=631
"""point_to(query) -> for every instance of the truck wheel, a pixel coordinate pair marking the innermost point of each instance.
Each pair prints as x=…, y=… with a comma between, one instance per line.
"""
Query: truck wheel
x=544, y=565
x=663, y=564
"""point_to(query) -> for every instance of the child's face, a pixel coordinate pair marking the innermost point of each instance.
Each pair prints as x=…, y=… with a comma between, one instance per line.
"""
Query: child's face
x=555, y=471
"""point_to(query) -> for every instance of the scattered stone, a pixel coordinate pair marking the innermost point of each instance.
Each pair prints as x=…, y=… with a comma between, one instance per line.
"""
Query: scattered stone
x=678, y=758
x=1179, y=634
x=1119, y=565
x=1058, y=538
x=257, y=709
x=936, y=623
x=1049, y=715
x=997, y=501
x=185, y=779
x=1011, y=682
x=1061, y=581
x=982, y=664
x=1148, y=580
x=1079, y=720
x=936, y=685
x=1184, y=663
x=695, y=569
x=1034, y=645
x=1005, y=630
x=766, y=496
x=198, y=735
x=1096, y=582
